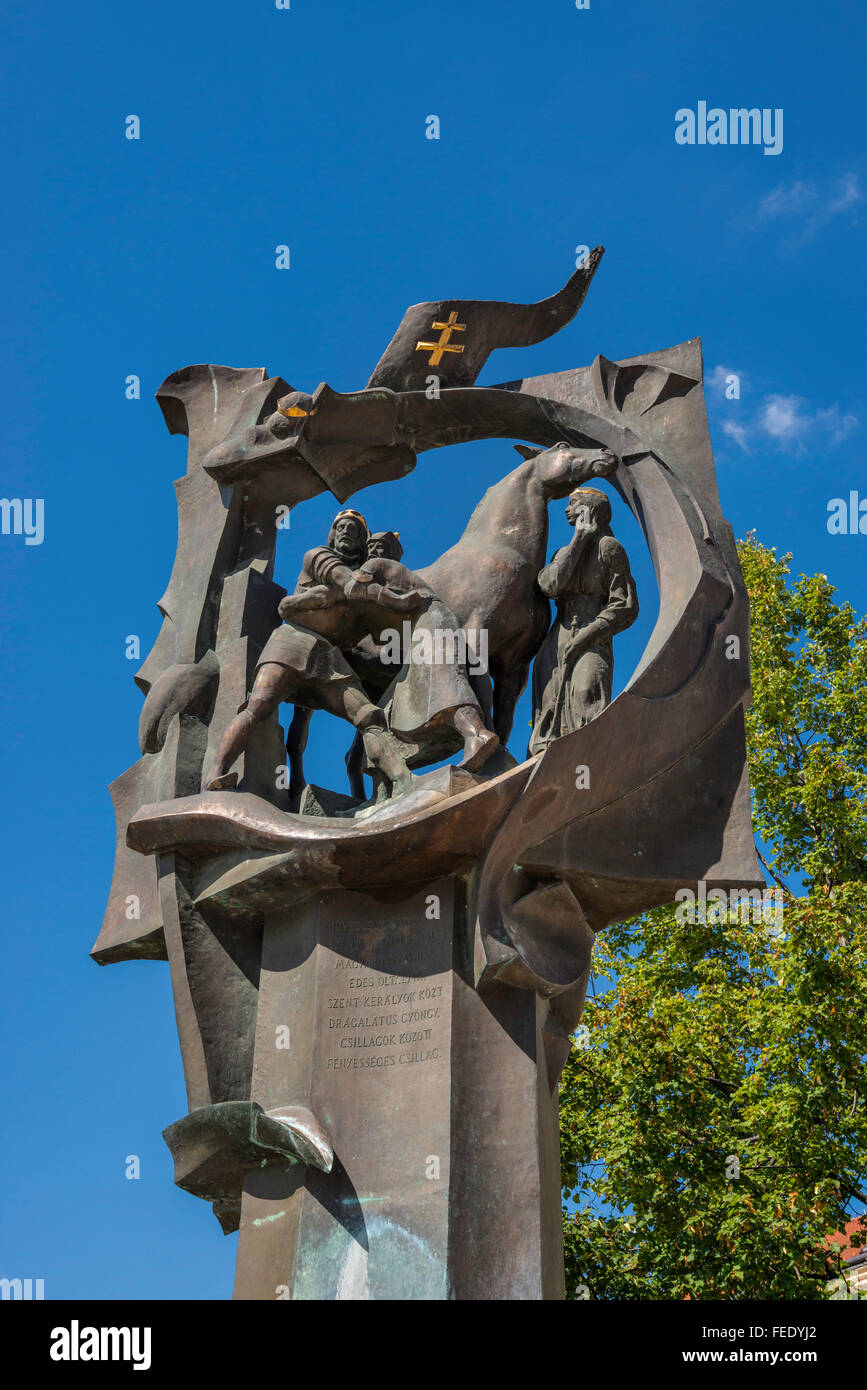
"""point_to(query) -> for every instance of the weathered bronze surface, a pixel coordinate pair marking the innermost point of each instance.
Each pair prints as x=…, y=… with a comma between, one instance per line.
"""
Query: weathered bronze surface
x=592, y=584
x=375, y=991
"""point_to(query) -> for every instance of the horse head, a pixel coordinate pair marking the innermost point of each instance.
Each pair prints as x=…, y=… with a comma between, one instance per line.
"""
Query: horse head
x=564, y=466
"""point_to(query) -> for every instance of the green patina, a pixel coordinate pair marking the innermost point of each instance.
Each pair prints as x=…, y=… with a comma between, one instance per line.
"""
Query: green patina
x=263, y=1220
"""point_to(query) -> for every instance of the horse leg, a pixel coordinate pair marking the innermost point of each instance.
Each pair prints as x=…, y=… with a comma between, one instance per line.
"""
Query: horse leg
x=512, y=666
x=296, y=742
x=483, y=690
x=508, y=689
x=354, y=763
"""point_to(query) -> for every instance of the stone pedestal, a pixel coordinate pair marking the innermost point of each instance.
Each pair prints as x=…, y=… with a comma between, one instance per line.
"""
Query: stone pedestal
x=434, y=1099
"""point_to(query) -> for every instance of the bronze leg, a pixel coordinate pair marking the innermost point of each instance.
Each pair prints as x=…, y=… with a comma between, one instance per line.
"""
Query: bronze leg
x=296, y=742
x=479, y=742
x=269, y=688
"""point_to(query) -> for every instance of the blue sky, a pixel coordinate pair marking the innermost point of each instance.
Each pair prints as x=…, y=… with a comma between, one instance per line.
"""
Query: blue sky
x=307, y=127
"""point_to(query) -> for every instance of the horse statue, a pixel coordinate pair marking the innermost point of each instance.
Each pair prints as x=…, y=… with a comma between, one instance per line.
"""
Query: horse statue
x=489, y=581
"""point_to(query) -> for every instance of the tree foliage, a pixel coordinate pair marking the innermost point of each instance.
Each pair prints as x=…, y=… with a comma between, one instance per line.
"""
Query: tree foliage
x=713, y=1121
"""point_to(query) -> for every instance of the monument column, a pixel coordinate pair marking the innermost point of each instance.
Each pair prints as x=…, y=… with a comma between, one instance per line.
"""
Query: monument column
x=376, y=997
x=432, y=1097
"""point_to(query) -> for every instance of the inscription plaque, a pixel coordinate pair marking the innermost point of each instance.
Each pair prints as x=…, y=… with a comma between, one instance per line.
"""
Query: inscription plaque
x=374, y=1051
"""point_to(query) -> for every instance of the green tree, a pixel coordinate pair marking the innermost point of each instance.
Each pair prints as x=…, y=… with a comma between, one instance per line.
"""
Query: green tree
x=713, y=1117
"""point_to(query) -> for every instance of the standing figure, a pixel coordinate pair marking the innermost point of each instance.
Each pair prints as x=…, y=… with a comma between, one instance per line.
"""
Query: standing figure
x=595, y=593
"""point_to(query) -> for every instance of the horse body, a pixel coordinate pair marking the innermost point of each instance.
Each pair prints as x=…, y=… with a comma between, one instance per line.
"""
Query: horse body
x=489, y=580
x=489, y=577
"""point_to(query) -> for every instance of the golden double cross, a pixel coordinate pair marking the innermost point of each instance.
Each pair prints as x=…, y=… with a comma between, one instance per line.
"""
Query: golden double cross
x=443, y=344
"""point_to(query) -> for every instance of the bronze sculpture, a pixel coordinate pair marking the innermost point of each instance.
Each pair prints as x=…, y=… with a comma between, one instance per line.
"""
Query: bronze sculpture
x=346, y=594
x=302, y=658
x=374, y=1001
x=591, y=581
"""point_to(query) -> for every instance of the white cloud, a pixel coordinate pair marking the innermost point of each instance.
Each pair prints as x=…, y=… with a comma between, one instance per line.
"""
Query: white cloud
x=837, y=425
x=789, y=422
x=786, y=199
x=810, y=204
x=848, y=194
x=718, y=379
x=781, y=417
x=737, y=433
